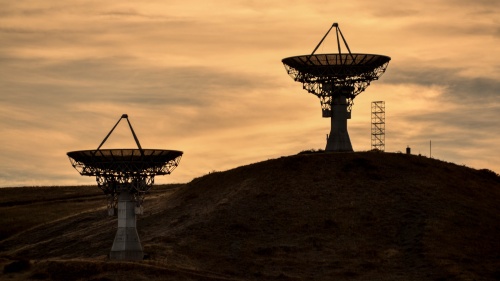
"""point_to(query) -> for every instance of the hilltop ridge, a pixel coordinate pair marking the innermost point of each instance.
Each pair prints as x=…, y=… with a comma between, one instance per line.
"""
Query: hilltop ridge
x=318, y=216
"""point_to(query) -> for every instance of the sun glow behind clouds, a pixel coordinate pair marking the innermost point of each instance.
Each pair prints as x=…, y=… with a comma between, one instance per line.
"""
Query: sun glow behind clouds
x=207, y=79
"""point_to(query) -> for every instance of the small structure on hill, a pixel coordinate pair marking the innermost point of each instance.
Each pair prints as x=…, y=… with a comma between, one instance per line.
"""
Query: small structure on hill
x=336, y=79
x=125, y=176
x=378, y=125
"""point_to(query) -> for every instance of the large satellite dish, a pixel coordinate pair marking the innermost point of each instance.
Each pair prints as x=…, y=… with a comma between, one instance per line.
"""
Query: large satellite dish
x=336, y=79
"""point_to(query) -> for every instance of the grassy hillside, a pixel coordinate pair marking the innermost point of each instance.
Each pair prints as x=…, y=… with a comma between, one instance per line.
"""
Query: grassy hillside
x=26, y=207
x=320, y=216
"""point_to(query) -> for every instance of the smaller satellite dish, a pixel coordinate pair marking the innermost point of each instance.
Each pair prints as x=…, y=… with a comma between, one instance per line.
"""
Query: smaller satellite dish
x=125, y=175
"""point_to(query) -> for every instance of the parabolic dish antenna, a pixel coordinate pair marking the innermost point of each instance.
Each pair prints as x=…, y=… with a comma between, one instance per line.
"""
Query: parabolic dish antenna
x=146, y=162
x=336, y=79
x=125, y=176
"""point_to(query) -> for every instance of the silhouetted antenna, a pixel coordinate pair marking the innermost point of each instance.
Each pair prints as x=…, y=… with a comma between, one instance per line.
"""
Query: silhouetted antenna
x=125, y=176
x=336, y=79
x=378, y=125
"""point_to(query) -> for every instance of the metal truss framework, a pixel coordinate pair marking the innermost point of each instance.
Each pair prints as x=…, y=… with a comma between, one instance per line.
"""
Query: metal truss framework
x=378, y=125
x=116, y=173
x=118, y=170
x=333, y=75
x=346, y=82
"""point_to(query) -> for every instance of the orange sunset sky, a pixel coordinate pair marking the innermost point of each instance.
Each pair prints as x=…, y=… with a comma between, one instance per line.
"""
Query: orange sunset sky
x=206, y=77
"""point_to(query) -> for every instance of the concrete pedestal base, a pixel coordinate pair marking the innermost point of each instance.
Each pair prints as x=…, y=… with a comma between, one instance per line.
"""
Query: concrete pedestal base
x=339, y=140
x=127, y=245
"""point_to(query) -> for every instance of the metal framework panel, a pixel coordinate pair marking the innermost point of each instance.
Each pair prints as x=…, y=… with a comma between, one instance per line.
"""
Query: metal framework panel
x=378, y=125
x=330, y=75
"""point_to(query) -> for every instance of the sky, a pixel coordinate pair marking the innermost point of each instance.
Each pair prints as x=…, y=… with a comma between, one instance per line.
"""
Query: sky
x=206, y=78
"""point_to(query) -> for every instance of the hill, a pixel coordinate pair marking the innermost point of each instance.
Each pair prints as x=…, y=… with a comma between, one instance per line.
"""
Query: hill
x=318, y=216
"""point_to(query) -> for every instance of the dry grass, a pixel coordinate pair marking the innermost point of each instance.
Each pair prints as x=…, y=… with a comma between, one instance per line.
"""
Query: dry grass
x=25, y=207
x=317, y=216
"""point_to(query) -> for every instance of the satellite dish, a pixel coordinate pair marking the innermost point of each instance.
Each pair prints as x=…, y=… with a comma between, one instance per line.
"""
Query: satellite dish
x=336, y=79
x=125, y=176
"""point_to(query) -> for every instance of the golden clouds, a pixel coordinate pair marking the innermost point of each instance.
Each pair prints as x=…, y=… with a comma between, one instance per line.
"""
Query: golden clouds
x=207, y=78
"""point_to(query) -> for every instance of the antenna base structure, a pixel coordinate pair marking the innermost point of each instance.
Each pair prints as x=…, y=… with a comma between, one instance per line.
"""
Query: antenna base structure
x=336, y=79
x=125, y=176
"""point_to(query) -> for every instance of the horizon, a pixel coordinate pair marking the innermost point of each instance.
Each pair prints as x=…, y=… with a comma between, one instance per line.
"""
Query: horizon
x=320, y=151
x=207, y=79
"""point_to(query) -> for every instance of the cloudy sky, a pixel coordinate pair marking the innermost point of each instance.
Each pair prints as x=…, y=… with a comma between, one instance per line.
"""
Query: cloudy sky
x=206, y=77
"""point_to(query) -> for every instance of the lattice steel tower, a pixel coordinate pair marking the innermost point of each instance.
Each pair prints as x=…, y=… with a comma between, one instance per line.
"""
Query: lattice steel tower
x=378, y=125
x=336, y=79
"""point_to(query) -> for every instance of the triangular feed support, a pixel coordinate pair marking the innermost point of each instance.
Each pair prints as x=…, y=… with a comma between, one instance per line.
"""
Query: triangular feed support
x=338, y=31
x=131, y=129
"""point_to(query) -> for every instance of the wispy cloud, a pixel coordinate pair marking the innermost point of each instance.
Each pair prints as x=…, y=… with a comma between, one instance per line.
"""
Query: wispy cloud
x=207, y=79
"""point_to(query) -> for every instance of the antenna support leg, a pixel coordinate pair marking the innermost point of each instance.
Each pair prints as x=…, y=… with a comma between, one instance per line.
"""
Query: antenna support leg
x=339, y=140
x=127, y=245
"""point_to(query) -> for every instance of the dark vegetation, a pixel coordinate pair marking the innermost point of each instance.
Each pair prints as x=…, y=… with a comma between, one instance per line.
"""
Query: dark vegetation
x=312, y=216
x=26, y=207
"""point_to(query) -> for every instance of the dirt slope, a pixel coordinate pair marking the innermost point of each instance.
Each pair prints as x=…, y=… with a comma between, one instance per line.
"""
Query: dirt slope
x=326, y=216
